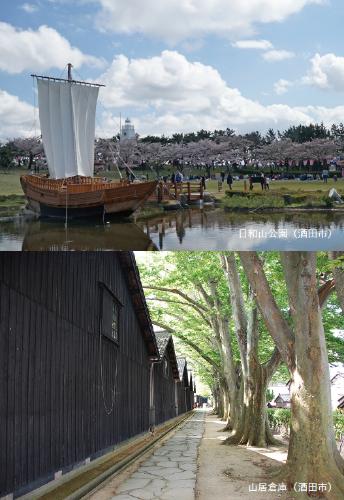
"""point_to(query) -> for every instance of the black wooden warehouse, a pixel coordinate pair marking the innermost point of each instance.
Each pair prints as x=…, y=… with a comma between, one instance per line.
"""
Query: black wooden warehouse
x=76, y=351
x=183, y=392
x=191, y=393
x=166, y=376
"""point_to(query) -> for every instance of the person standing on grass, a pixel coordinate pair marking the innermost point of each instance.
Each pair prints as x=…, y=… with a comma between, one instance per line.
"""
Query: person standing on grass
x=267, y=183
x=203, y=182
x=325, y=176
x=178, y=177
x=250, y=181
x=262, y=181
x=229, y=181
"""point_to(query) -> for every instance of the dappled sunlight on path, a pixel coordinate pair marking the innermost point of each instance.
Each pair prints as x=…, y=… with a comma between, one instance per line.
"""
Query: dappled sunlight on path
x=226, y=472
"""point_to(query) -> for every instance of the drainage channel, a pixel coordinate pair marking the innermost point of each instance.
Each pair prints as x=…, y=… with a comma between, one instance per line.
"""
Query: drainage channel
x=90, y=477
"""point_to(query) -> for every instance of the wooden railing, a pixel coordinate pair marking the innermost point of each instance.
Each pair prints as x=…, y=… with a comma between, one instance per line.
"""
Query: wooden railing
x=169, y=190
x=73, y=184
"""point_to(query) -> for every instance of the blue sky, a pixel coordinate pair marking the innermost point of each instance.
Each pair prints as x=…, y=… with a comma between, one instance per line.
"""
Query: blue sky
x=177, y=65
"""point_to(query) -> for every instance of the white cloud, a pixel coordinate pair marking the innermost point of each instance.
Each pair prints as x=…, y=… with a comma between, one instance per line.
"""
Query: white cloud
x=176, y=20
x=327, y=72
x=282, y=86
x=253, y=44
x=16, y=117
x=277, y=55
x=165, y=80
x=45, y=48
x=29, y=7
x=168, y=93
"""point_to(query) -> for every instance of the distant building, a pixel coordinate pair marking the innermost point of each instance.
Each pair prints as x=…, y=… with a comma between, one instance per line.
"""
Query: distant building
x=127, y=131
x=282, y=401
x=341, y=403
x=337, y=390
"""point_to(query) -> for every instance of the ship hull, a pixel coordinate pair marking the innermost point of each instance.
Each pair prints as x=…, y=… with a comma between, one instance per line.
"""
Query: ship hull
x=84, y=197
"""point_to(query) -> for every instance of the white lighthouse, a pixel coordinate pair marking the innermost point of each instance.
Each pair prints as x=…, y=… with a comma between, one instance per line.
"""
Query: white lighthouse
x=128, y=131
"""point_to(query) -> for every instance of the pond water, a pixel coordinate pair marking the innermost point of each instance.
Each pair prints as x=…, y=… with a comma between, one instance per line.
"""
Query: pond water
x=192, y=229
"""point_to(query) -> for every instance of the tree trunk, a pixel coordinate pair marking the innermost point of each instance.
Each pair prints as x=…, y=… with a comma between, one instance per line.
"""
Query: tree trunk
x=30, y=161
x=220, y=405
x=235, y=408
x=225, y=405
x=221, y=400
x=215, y=400
x=252, y=428
x=312, y=456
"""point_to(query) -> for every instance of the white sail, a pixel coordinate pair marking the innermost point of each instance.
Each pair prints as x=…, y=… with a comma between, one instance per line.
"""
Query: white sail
x=67, y=117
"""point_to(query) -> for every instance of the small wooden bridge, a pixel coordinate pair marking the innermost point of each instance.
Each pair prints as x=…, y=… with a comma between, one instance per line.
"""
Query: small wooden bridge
x=181, y=191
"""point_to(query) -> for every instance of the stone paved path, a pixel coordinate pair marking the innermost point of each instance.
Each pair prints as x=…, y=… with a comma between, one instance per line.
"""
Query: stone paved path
x=170, y=472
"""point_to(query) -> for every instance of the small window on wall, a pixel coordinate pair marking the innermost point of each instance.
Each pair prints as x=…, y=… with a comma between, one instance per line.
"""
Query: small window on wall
x=110, y=310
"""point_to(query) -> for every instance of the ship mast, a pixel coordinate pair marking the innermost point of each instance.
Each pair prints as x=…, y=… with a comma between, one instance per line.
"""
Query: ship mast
x=70, y=65
x=69, y=78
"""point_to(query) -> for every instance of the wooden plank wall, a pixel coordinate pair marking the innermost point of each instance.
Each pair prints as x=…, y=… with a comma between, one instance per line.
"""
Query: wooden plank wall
x=66, y=393
x=181, y=397
x=164, y=394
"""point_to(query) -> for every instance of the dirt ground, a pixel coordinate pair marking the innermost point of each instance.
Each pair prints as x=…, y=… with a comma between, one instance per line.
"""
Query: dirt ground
x=226, y=472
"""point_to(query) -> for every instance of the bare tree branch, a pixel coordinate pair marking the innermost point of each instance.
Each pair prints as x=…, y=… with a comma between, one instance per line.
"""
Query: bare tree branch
x=177, y=292
x=237, y=300
x=277, y=325
x=197, y=309
x=272, y=364
x=325, y=291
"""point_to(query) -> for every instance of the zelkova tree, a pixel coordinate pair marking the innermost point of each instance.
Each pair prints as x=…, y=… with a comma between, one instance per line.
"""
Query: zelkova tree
x=312, y=455
x=250, y=424
x=200, y=306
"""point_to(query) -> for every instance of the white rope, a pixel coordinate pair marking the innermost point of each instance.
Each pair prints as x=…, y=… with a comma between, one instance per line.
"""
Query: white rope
x=117, y=152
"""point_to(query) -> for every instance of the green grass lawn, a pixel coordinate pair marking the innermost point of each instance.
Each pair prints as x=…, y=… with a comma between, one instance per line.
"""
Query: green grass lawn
x=11, y=194
x=10, y=183
x=281, y=193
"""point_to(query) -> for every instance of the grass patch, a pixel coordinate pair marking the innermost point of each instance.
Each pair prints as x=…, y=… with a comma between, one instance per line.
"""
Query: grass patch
x=252, y=201
x=281, y=418
x=10, y=182
x=148, y=211
x=235, y=200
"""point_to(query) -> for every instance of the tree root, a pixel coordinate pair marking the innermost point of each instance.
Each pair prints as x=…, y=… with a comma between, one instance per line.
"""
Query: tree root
x=241, y=438
x=227, y=428
x=290, y=474
x=232, y=440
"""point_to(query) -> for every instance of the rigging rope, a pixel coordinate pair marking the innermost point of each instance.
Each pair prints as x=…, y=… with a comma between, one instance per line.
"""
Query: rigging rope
x=117, y=152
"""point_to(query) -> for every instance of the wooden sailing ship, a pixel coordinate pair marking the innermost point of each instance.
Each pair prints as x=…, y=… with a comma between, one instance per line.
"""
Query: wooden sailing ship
x=67, y=117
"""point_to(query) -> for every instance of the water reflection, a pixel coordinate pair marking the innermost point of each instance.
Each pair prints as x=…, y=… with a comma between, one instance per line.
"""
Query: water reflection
x=48, y=235
x=204, y=229
x=219, y=230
